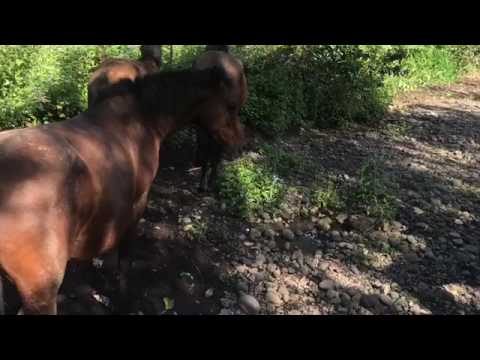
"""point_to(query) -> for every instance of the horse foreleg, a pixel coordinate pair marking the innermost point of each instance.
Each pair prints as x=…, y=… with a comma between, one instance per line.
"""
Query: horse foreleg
x=214, y=164
x=203, y=179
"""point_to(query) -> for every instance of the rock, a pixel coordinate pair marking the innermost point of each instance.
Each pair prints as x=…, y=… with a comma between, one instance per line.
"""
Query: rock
x=288, y=234
x=209, y=293
x=457, y=241
x=429, y=253
x=369, y=301
x=225, y=312
x=255, y=234
x=287, y=245
x=455, y=234
x=242, y=287
x=379, y=236
x=260, y=260
x=249, y=304
x=273, y=298
x=355, y=270
x=458, y=222
x=325, y=223
x=324, y=265
x=360, y=223
x=341, y=218
x=331, y=294
x=269, y=233
x=284, y=293
x=260, y=276
x=326, y=284
x=411, y=257
x=436, y=202
x=385, y=299
x=336, y=236
x=418, y=211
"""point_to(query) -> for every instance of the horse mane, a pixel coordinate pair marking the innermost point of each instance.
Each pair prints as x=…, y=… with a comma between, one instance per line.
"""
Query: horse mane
x=170, y=92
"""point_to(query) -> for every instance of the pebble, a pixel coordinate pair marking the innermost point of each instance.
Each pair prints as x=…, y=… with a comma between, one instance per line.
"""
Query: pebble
x=269, y=233
x=209, y=293
x=458, y=241
x=325, y=223
x=418, y=211
x=260, y=260
x=288, y=234
x=336, y=235
x=341, y=218
x=284, y=293
x=331, y=294
x=369, y=301
x=326, y=284
x=255, y=234
x=242, y=286
x=249, y=304
x=429, y=253
x=385, y=299
x=273, y=298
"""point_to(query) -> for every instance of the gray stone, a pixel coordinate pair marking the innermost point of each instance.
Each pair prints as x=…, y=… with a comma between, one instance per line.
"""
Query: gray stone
x=360, y=223
x=331, y=294
x=249, y=304
x=260, y=260
x=369, y=301
x=325, y=223
x=273, y=298
x=242, y=286
x=284, y=293
x=255, y=234
x=457, y=241
x=418, y=211
x=341, y=218
x=326, y=284
x=288, y=234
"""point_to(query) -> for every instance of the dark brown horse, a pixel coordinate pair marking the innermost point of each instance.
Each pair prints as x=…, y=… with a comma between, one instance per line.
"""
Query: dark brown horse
x=209, y=152
x=77, y=189
x=112, y=71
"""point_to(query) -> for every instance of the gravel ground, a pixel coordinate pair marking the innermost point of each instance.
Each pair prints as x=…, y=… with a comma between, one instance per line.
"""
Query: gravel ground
x=192, y=258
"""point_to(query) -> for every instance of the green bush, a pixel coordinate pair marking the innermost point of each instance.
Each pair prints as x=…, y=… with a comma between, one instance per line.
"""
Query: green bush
x=40, y=83
x=424, y=66
x=376, y=191
x=248, y=188
x=290, y=86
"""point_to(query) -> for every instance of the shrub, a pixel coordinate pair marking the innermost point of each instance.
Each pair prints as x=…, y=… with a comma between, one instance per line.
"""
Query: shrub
x=40, y=84
x=375, y=193
x=249, y=188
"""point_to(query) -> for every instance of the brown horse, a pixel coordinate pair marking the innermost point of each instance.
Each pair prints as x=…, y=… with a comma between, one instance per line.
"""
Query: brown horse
x=112, y=71
x=77, y=189
x=209, y=152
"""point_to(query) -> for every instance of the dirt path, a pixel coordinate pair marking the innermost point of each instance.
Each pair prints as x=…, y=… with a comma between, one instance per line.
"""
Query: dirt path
x=425, y=263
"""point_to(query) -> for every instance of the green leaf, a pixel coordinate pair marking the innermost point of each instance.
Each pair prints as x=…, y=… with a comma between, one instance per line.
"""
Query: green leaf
x=169, y=303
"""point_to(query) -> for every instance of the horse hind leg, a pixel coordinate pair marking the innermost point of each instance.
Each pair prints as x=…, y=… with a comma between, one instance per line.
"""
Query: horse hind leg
x=2, y=297
x=39, y=296
x=37, y=279
x=203, y=187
